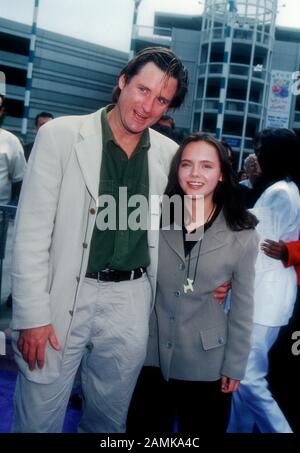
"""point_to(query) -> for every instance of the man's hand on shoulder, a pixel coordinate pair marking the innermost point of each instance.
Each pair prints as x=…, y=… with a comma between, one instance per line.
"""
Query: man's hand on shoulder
x=32, y=344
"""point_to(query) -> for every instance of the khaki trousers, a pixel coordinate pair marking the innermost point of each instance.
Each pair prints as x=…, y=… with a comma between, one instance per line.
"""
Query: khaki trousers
x=108, y=338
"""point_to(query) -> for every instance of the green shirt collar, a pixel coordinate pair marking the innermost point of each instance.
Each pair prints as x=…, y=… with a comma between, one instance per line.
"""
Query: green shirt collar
x=107, y=134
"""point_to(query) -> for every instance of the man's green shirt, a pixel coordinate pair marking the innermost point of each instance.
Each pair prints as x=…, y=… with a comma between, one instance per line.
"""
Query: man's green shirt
x=120, y=249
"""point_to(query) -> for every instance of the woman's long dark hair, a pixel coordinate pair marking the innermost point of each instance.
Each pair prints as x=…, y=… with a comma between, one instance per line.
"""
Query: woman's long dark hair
x=227, y=194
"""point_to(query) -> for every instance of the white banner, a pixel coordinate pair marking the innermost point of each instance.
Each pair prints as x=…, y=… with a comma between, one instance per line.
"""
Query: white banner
x=280, y=97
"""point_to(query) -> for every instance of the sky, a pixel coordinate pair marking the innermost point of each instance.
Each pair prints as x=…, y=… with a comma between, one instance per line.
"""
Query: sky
x=109, y=22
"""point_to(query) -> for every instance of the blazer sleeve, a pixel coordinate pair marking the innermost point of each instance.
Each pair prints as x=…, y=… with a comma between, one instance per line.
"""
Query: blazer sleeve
x=33, y=229
x=240, y=316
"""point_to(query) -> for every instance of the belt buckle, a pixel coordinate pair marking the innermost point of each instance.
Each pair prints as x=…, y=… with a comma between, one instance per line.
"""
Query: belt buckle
x=99, y=273
x=113, y=275
x=105, y=271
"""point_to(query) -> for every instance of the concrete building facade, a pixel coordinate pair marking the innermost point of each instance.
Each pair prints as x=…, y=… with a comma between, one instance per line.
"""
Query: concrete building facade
x=70, y=76
x=234, y=53
x=230, y=56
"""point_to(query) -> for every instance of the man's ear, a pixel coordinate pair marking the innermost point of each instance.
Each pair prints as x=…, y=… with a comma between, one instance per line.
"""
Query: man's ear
x=122, y=81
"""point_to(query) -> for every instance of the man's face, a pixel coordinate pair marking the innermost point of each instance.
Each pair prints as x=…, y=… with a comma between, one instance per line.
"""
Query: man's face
x=253, y=169
x=145, y=98
x=42, y=120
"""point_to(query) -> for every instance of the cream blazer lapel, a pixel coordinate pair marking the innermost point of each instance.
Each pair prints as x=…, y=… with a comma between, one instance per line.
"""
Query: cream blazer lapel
x=89, y=152
x=160, y=154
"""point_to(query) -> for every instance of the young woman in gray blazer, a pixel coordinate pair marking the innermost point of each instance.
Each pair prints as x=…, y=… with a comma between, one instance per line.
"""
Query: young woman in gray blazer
x=197, y=352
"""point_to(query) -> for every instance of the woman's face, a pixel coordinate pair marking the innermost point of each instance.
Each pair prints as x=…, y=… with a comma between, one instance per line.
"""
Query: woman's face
x=199, y=169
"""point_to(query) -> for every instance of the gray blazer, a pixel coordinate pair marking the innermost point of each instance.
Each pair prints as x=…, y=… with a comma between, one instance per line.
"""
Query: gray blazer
x=191, y=336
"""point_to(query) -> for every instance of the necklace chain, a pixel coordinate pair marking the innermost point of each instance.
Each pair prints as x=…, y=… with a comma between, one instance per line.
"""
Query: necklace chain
x=189, y=286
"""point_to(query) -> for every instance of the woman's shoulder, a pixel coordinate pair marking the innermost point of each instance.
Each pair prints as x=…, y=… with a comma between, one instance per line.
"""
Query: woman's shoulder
x=247, y=237
x=240, y=233
x=280, y=188
x=279, y=196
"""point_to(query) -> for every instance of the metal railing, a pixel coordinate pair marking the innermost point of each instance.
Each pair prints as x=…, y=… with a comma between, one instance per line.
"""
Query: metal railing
x=239, y=34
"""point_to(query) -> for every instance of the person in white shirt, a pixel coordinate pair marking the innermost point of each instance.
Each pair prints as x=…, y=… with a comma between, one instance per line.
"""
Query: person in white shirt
x=12, y=162
x=278, y=211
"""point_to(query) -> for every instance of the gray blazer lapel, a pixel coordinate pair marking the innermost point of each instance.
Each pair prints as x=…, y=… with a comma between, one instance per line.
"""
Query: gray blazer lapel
x=175, y=241
x=89, y=152
x=216, y=236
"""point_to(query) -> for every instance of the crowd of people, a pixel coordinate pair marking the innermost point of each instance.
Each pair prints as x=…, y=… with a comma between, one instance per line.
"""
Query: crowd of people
x=170, y=323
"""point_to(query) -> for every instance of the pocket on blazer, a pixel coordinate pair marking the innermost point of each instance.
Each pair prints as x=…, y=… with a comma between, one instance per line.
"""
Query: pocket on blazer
x=214, y=337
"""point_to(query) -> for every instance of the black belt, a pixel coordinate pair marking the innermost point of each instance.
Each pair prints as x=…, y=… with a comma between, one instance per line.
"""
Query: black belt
x=111, y=275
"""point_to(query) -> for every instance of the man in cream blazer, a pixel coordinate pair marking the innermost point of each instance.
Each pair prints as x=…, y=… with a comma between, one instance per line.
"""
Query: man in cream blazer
x=65, y=311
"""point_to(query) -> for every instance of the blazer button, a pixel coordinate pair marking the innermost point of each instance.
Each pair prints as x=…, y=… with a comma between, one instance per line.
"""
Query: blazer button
x=77, y=279
x=221, y=340
x=84, y=245
x=182, y=266
x=92, y=211
x=71, y=312
x=177, y=293
x=169, y=345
